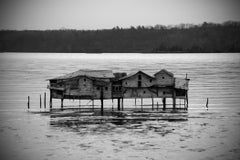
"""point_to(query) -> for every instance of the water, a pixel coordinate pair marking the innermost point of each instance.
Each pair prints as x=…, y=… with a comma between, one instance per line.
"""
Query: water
x=211, y=134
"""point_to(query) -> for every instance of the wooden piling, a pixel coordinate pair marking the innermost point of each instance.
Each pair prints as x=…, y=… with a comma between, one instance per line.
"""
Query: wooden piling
x=122, y=104
x=40, y=102
x=62, y=103
x=152, y=103
x=141, y=104
x=174, y=99
x=28, y=102
x=45, y=101
x=164, y=103
x=112, y=103
x=118, y=104
x=135, y=101
x=101, y=97
x=187, y=99
x=79, y=102
x=50, y=101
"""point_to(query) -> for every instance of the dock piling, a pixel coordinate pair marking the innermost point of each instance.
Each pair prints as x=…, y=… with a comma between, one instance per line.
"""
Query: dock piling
x=45, y=102
x=28, y=102
x=40, y=102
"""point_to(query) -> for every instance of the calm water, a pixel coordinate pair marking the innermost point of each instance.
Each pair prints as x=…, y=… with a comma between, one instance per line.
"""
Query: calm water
x=213, y=76
x=212, y=134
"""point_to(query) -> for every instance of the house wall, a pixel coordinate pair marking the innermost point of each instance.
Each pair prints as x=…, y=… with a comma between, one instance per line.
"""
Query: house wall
x=85, y=86
x=107, y=92
x=164, y=79
x=140, y=92
x=181, y=83
x=133, y=81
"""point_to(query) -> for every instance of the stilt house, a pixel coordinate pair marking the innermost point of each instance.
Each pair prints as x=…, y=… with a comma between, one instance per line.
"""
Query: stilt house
x=104, y=84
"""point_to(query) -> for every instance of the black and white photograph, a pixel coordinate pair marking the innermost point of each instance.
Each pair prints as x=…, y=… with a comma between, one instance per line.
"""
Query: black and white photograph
x=119, y=79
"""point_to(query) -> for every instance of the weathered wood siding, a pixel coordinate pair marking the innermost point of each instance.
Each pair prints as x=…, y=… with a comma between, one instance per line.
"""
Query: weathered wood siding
x=137, y=92
x=181, y=83
x=165, y=93
x=164, y=79
x=107, y=91
x=134, y=80
x=85, y=86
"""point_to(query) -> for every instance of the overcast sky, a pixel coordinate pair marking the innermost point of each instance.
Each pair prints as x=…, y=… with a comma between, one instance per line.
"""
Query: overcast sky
x=99, y=14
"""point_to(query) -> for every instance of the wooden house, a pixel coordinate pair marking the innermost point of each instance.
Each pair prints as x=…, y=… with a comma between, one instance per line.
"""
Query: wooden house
x=82, y=84
x=104, y=84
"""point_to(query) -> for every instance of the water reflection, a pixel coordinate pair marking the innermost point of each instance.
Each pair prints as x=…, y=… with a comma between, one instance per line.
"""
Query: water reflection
x=160, y=123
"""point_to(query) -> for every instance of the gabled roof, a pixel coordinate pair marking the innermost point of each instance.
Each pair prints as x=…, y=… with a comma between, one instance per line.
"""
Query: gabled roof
x=133, y=74
x=87, y=73
x=165, y=71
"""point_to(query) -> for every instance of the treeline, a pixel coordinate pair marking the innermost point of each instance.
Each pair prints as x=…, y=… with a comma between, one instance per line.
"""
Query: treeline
x=207, y=37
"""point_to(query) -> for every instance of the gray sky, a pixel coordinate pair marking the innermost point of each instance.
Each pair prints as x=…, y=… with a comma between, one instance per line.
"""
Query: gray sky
x=98, y=14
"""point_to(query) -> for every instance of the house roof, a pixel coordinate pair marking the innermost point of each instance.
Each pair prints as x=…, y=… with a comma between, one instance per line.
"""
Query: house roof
x=165, y=71
x=87, y=73
x=132, y=74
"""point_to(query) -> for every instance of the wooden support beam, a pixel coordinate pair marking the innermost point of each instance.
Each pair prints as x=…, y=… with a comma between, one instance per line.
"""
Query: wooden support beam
x=62, y=103
x=50, y=100
x=101, y=97
x=28, y=102
x=112, y=103
x=187, y=99
x=135, y=101
x=164, y=103
x=174, y=99
x=45, y=100
x=122, y=103
x=40, y=101
x=118, y=104
x=152, y=103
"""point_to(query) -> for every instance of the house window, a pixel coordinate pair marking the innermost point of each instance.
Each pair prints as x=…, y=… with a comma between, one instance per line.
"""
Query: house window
x=144, y=92
x=106, y=88
x=139, y=77
x=150, y=81
x=164, y=92
x=163, y=77
x=98, y=88
x=126, y=83
x=139, y=83
x=84, y=80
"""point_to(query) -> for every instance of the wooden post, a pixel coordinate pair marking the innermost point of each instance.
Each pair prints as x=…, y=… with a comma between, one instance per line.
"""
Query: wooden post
x=101, y=97
x=152, y=103
x=45, y=101
x=141, y=104
x=40, y=101
x=122, y=104
x=135, y=101
x=174, y=99
x=50, y=101
x=187, y=99
x=164, y=103
x=62, y=103
x=28, y=102
x=112, y=103
x=119, y=104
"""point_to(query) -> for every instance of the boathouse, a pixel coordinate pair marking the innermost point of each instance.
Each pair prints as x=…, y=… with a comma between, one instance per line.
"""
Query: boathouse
x=104, y=84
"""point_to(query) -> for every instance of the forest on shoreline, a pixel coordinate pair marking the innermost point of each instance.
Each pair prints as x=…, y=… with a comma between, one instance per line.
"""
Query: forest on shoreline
x=204, y=38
